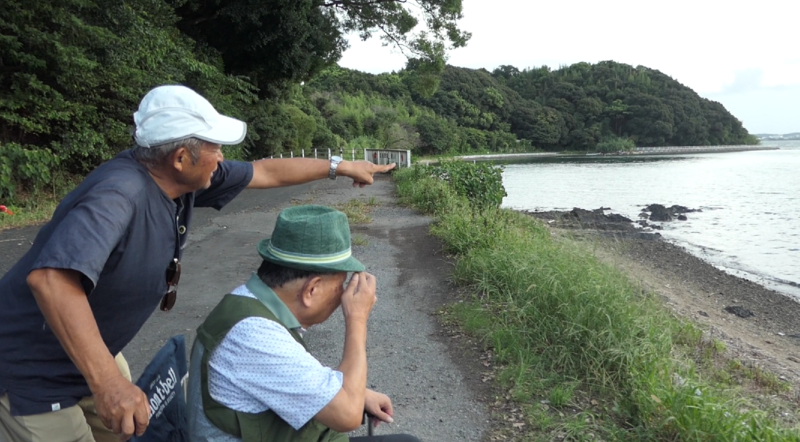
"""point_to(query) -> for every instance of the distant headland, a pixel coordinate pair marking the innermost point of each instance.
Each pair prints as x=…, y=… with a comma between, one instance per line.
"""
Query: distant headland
x=778, y=137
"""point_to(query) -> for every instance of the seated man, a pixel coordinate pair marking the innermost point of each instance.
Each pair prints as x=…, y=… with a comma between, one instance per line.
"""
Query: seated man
x=251, y=377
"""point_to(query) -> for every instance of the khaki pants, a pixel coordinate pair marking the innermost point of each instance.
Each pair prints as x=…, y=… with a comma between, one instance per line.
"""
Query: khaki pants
x=79, y=423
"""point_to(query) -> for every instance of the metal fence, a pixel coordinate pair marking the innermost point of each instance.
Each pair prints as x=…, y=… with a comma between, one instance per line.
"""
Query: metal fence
x=325, y=154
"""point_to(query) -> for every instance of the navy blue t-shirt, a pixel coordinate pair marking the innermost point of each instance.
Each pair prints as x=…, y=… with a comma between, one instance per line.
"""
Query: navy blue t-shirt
x=120, y=231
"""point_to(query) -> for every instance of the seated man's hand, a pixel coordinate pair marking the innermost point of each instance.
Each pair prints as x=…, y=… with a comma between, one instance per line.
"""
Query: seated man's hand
x=378, y=405
x=359, y=297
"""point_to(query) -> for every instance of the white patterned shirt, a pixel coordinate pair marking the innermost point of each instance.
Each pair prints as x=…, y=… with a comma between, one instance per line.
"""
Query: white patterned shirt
x=259, y=366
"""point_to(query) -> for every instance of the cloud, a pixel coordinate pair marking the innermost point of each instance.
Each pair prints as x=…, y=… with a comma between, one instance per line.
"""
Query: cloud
x=745, y=81
x=766, y=109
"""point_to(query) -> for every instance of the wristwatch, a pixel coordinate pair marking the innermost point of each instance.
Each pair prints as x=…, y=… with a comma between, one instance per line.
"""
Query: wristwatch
x=335, y=160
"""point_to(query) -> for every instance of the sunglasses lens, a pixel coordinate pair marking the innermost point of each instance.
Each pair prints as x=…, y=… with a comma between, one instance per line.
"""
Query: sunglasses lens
x=168, y=301
x=173, y=273
x=173, y=276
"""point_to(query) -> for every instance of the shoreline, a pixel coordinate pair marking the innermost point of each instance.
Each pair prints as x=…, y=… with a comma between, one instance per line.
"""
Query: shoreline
x=665, y=150
x=618, y=225
x=757, y=324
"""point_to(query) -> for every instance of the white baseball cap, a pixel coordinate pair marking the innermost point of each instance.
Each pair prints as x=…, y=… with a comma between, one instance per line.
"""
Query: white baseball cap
x=171, y=113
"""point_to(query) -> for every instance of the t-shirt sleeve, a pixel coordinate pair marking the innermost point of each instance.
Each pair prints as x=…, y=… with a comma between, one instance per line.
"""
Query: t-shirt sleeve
x=228, y=181
x=259, y=366
x=88, y=233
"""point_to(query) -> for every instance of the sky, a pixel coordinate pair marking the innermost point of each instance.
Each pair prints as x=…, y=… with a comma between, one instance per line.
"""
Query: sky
x=743, y=54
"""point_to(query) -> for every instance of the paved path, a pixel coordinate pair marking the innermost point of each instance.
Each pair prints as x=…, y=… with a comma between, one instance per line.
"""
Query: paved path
x=432, y=384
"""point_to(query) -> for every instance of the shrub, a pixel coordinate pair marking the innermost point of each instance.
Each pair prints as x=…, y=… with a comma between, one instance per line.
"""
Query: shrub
x=28, y=168
x=480, y=183
x=616, y=144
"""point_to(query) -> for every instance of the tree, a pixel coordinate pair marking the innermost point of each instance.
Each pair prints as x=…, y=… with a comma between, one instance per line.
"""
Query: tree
x=617, y=113
x=304, y=126
x=72, y=70
x=505, y=72
x=437, y=135
x=543, y=126
x=274, y=41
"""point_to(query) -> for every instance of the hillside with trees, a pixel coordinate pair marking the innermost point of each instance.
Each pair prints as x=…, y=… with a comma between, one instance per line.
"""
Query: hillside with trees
x=578, y=107
x=73, y=71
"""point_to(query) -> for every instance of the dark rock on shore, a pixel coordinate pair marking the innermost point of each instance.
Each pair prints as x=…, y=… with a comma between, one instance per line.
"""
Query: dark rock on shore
x=739, y=311
x=585, y=219
x=659, y=212
x=610, y=225
x=645, y=224
x=614, y=224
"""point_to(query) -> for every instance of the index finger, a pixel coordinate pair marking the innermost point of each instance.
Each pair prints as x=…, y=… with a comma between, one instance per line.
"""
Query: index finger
x=352, y=285
x=387, y=408
x=385, y=168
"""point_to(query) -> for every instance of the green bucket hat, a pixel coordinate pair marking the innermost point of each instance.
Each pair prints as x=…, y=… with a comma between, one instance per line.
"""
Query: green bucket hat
x=313, y=238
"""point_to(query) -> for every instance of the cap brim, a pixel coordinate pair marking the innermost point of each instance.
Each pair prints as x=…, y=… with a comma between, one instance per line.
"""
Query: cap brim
x=228, y=131
x=350, y=264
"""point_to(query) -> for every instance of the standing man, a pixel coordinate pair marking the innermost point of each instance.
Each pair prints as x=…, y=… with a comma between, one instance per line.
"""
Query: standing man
x=110, y=255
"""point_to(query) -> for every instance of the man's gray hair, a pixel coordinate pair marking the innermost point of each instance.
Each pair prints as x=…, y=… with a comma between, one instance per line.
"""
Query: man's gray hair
x=157, y=155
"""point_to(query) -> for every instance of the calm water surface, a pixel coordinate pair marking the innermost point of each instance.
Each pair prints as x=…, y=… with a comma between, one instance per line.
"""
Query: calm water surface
x=750, y=201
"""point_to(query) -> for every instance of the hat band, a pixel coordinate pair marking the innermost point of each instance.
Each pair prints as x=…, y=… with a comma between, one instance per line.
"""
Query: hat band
x=300, y=258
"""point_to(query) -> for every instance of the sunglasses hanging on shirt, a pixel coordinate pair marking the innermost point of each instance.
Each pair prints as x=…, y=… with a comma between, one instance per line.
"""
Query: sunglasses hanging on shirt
x=174, y=268
x=173, y=277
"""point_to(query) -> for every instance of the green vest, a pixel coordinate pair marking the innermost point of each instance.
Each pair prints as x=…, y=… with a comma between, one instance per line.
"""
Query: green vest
x=251, y=427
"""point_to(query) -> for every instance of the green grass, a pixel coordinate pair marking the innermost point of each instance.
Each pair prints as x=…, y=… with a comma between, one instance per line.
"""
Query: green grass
x=360, y=240
x=27, y=215
x=610, y=360
x=358, y=211
x=36, y=206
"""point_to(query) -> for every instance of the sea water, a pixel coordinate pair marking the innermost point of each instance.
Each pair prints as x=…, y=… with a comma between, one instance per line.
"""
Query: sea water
x=750, y=201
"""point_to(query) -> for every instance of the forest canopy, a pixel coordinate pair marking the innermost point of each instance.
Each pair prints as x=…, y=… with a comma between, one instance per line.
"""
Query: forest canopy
x=73, y=71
